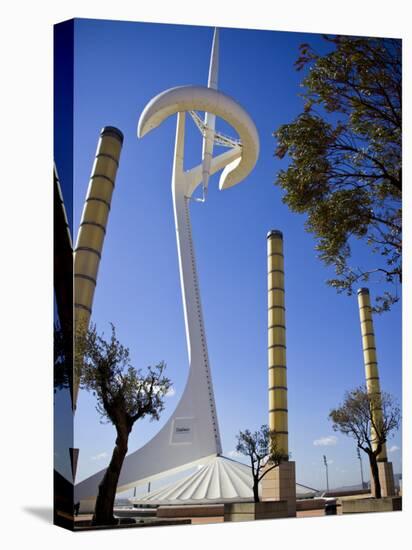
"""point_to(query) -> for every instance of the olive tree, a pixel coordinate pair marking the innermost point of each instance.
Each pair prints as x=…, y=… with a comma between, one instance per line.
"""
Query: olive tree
x=262, y=449
x=124, y=395
x=370, y=419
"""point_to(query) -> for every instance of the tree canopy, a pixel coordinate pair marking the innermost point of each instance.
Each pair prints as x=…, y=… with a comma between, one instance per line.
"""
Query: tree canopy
x=120, y=388
x=345, y=158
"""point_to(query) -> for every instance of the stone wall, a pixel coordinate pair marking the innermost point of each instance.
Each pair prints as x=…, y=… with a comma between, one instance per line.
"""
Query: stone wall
x=248, y=511
x=365, y=505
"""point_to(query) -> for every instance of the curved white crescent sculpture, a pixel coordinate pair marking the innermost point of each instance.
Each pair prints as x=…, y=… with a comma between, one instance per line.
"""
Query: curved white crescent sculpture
x=200, y=98
x=191, y=435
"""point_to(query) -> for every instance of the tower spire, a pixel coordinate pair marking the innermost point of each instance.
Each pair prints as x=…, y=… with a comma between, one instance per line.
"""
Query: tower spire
x=214, y=61
x=210, y=118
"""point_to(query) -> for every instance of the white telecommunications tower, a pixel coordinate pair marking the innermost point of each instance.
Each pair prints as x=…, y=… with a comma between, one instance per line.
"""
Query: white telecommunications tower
x=191, y=435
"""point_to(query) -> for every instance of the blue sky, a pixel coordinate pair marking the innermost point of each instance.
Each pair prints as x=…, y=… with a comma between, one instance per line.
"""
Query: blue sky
x=118, y=68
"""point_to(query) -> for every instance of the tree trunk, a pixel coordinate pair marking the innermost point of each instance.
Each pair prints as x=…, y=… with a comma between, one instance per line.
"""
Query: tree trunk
x=375, y=474
x=103, y=512
x=256, y=491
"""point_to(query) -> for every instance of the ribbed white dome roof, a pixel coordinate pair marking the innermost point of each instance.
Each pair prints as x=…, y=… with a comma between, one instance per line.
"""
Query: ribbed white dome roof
x=220, y=480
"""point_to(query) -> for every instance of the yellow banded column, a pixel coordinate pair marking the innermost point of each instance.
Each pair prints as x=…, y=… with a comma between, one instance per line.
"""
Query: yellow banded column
x=280, y=482
x=373, y=385
x=370, y=359
x=278, y=402
x=89, y=246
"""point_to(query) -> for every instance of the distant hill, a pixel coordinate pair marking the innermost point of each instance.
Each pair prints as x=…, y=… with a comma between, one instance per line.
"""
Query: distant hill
x=358, y=487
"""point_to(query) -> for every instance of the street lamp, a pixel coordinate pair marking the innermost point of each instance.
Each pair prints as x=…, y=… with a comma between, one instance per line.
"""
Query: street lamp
x=327, y=473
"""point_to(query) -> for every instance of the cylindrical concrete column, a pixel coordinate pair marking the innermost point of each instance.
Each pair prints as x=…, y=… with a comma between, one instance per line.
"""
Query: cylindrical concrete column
x=93, y=224
x=370, y=358
x=278, y=404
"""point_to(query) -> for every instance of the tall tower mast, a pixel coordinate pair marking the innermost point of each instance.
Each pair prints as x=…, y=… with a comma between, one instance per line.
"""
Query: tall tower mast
x=210, y=118
x=191, y=435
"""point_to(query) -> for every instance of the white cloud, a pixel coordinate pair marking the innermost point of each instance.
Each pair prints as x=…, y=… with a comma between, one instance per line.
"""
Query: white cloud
x=99, y=456
x=326, y=441
x=170, y=392
x=233, y=453
x=393, y=449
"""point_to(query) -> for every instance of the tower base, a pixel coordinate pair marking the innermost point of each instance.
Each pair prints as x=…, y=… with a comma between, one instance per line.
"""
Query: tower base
x=280, y=484
x=386, y=480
